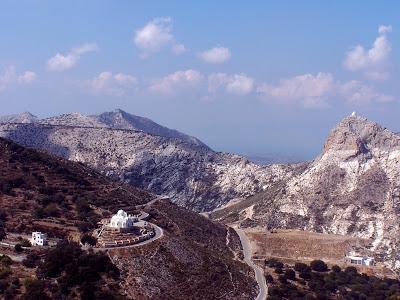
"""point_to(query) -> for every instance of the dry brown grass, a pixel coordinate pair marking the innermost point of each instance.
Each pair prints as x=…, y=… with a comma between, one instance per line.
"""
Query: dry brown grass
x=303, y=245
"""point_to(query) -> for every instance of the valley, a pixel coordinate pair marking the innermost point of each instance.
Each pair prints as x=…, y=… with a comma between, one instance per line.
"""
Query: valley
x=342, y=201
x=66, y=200
x=199, y=150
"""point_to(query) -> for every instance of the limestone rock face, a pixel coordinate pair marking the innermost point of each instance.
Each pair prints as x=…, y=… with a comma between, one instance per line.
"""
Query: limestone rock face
x=352, y=188
x=147, y=155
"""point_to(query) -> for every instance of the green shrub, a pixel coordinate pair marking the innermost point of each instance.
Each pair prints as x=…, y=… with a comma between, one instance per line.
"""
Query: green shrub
x=274, y=263
x=290, y=274
x=282, y=279
x=26, y=243
x=31, y=260
x=336, y=269
x=88, y=239
x=34, y=290
x=300, y=267
x=269, y=278
x=5, y=260
x=18, y=248
x=2, y=233
x=351, y=271
x=319, y=266
x=305, y=274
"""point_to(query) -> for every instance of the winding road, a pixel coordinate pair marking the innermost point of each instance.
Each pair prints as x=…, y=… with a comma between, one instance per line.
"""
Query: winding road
x=158, y=233
x=259, y=273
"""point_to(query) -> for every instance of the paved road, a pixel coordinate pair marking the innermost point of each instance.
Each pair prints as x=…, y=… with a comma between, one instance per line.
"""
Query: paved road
x=247, y=252
x=159, y=233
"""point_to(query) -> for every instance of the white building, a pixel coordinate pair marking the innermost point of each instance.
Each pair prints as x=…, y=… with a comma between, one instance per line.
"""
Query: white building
x=122, y=220
x=38, y=239
x=360, y=260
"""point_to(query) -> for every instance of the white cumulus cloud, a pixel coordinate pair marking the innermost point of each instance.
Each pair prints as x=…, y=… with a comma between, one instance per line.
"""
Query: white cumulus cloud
x=27, y=77
x=217, y=55
x=113, y=85
x=156, y=35
x=61, y=62
x=383, y=29
x=10, y=77
x=309, y=90
x=177, y=81
x=373, y=62
x=238, y=84
x=355, y=92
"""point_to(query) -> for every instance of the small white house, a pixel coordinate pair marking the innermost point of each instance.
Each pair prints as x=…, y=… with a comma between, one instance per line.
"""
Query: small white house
x=39, y=239
x=360, y=260
x=122, y=220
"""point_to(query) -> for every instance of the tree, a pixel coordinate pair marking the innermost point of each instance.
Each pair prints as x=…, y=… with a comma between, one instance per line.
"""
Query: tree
x=290, y=274
x=34, y=290
x=274, y=263
x=88, y=239
x=2, y=233
x=336, y=269
x=319, y=266
x=269, y=278
x=26, y=243
x=300, y=267
x=282, y=279
x=18, y=248
x=305, y=274
x=351, y=270
x=31, y=260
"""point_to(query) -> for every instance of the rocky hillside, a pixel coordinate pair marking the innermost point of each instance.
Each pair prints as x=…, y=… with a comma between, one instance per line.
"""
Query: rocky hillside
x=195, y=258
x=149, y=156
x=352, y=188
x=24, y=117
x=119, y=119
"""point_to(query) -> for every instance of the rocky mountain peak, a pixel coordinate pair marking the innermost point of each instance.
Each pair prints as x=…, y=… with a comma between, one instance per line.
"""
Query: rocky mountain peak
x=120, y=119
x=25, y=117
x=359, y=135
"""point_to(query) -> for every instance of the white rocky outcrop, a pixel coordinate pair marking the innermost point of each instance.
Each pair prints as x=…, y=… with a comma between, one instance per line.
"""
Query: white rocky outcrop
x=352, y=188
x=140, y=152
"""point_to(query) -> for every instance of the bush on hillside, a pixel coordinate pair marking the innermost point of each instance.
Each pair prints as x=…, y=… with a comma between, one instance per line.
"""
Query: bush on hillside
x=300, y=267
x=318, y=265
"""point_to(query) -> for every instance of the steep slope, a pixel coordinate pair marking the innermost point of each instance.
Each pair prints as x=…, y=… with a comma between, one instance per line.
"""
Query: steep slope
x=352, y=188
x=191, y=174
x=120, y=119
x=24, y=117
x=193, y=254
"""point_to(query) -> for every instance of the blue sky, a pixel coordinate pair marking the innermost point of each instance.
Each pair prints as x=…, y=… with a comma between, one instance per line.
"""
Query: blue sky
x=255, y=77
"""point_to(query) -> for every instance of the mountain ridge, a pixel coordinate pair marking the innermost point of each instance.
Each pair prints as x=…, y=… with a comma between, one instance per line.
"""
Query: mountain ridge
x=117, y=119
x=191, y=174
x=352, y=188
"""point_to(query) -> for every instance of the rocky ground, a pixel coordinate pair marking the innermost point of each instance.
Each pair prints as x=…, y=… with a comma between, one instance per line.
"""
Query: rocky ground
x=352, y=189
x=183, y=168
x=194, y=259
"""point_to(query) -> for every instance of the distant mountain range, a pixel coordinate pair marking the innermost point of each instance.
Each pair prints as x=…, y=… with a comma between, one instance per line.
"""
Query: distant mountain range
x=117, y=119
x=140, y=152
x=351, y=188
